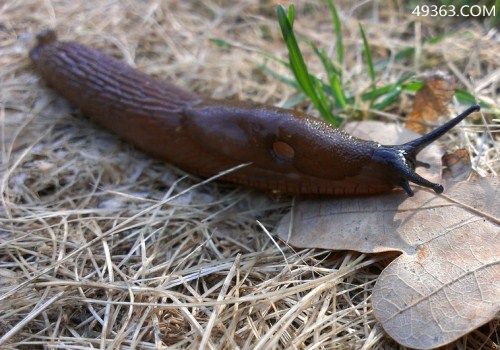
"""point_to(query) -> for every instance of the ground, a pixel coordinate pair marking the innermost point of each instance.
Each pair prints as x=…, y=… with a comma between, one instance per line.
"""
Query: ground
x=102, y=246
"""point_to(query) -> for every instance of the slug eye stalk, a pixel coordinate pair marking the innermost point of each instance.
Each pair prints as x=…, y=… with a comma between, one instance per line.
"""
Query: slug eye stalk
x=415, y=146
x=402, y=158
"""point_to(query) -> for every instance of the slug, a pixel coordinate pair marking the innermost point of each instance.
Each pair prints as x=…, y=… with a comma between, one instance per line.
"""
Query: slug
x=288, y=151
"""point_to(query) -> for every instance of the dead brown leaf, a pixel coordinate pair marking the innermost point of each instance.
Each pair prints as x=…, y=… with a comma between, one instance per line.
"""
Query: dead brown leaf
x=449, y=285
x=441, y=287
x=431, y=101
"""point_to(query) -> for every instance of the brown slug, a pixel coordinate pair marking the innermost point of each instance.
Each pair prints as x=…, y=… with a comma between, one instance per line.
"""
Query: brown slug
x=288, y=151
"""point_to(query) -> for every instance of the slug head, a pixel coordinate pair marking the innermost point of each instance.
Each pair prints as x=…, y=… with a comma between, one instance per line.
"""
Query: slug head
x=401, y=159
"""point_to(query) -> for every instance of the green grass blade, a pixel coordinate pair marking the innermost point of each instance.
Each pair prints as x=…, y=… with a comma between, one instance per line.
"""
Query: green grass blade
x=227, y=45
x=328, y=64
x=405, y=54
x=333, y=74
x=390, y=98
x=280, y=77
x=318, y=87
x=467, y=98
x=376, y=92
x=413, y=85
x=339, y=43
x=338, y=91
x=299, y=67
x=368, y=54
x=221, y=43
x=291, y=14
x=295, y=56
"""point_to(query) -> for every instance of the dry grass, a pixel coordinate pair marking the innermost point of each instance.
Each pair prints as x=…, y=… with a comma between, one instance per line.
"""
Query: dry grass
x=101, y=246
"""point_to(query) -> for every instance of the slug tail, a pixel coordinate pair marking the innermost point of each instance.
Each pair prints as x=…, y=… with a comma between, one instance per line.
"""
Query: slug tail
x=44, y=37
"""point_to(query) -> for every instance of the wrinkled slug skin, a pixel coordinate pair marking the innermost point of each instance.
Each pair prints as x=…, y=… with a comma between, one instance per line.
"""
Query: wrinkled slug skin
x=289, y=151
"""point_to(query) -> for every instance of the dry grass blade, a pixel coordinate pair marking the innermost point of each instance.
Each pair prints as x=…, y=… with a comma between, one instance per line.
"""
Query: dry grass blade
x=217, y=310
x=33, y=313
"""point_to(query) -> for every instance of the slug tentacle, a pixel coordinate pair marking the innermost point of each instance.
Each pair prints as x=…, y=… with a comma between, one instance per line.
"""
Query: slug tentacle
x=415, y=146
